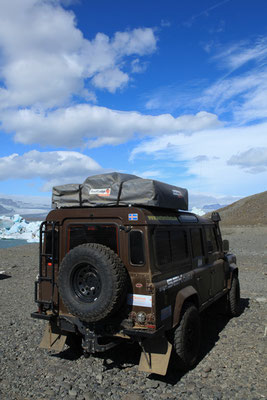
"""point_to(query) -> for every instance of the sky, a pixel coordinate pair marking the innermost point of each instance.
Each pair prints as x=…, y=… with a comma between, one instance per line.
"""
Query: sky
x=169, y=90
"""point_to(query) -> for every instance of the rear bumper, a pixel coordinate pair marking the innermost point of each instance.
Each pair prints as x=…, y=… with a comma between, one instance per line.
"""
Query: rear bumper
x=68, y=324
x=135, y=333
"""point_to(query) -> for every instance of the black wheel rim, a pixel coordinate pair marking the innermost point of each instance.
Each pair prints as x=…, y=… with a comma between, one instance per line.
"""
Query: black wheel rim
x=86, y=282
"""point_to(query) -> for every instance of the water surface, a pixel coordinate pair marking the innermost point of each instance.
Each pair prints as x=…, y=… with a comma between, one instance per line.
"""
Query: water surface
x=5, y=243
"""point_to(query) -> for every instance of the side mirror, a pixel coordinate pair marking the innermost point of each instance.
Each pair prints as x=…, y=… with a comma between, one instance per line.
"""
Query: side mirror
x=215, y=216
x=225, y=245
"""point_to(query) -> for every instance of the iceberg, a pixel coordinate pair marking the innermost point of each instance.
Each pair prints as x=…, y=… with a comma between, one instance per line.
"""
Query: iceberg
x=16, y=227
x=198, y=211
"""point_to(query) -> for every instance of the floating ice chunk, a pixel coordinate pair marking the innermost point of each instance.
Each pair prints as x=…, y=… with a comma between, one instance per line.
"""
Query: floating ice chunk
x=17, y=228
x=198, y=211
x=5, y=222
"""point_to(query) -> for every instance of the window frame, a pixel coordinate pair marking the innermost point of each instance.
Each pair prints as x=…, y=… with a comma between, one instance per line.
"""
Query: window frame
x=143, y=248
x=176, y=263
x=79, y=224
x=198, y=261
x=213, y=229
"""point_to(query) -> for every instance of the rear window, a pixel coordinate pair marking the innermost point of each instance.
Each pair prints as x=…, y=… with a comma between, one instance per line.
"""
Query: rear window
x=93, y=233
x=137, y=256
x=170, y=246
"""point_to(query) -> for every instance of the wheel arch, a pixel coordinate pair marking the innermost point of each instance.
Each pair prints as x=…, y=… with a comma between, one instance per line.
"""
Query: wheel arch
x=187, y=294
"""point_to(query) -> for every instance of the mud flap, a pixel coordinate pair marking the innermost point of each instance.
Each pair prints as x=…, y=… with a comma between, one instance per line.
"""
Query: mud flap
x=155, y=356
x=52, y=340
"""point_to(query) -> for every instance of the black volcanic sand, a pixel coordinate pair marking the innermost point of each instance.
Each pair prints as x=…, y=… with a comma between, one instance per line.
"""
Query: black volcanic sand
x=233, y=353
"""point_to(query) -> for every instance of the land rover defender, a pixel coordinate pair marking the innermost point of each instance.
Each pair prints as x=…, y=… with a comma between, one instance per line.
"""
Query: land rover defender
x=121, y=258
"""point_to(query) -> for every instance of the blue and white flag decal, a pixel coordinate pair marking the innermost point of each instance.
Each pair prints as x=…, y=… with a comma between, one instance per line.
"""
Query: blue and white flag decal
x=133, y=217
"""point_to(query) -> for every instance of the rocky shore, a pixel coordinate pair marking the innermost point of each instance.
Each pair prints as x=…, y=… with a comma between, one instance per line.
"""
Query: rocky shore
x=233, y=360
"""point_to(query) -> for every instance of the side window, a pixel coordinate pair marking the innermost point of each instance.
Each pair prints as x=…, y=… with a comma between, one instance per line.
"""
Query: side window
x=197, y=242
x=137, y=256
x=179, y=245
x=171, y=246
x=162, y=247
x=212, y=244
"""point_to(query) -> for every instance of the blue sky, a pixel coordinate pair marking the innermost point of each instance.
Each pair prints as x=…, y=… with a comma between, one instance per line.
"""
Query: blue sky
x=169, y=90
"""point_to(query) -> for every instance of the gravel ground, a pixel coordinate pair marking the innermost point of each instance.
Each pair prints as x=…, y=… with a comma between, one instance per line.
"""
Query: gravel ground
x=233, y=354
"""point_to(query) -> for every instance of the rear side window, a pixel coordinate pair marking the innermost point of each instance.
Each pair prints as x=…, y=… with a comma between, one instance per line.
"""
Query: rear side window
x=102, y=234
x=51, y=243
x=197, y=242
x=163, y=247
x=171, y=246
x=179, y=247
x=137, y=256
x=212, y=244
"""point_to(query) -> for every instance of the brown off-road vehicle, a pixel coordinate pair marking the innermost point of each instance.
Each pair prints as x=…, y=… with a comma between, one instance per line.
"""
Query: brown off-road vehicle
x=121, y=258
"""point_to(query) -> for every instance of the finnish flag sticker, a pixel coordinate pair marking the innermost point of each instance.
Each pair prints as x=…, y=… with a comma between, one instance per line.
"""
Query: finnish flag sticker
x=133, y=217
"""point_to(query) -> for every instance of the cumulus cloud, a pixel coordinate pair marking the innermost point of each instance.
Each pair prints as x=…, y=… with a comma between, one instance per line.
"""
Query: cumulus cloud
x=45, y=59
x=54, y=167
x=110, y=79
x=74, y=126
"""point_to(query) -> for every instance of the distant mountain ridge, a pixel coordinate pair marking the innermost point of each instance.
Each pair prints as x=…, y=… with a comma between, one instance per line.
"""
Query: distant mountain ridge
x=4, y=210
x=251, y=210
x=29, y=208
x=213, y=207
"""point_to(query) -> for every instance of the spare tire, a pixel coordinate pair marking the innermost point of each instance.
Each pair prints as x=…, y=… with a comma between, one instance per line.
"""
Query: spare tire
x=92, y=282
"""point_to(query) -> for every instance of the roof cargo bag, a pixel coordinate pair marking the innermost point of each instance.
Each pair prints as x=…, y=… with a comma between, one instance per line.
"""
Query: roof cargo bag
x=66, y=195
x=116, y=189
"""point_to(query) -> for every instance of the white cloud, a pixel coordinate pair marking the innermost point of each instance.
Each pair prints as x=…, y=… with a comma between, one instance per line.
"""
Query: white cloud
x=111, y=79
x=253, y=160
x=205, y=158
x=54, y=167
x=242, y=94
x=138, y=41
x=95, y=125
x=149, y=174
x=241, y=53
x=45, y=59
x=137, y=66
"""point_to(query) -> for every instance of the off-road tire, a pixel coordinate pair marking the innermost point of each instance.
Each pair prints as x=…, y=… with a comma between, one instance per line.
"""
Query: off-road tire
x=187, y=337
x=234, y=298
x=92, y=282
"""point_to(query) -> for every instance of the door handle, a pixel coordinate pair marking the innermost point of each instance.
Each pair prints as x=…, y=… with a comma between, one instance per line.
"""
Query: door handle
x=199, y=278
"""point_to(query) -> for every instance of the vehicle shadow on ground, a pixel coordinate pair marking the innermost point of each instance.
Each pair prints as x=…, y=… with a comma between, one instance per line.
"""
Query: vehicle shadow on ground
x=213, y=322
x=4, y=276
x=127, y=354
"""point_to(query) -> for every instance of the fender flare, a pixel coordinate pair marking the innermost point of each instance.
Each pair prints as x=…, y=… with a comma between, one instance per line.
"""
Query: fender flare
x=181, y=297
